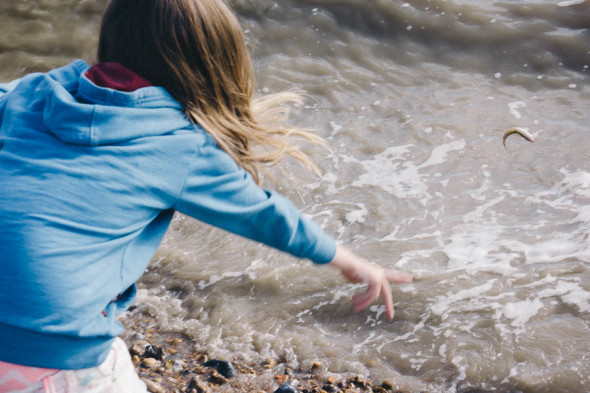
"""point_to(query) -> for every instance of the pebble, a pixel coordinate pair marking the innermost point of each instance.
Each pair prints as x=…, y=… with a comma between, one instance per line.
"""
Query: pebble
x=269, y=363
x=153, y=387
x=387, y=385
x=329, y=388
x=316, y=366
x=149, y=362
x=202, y=358
x=197, y=385
x=361, y=383
x=281, y=378
x=169, y=365
x=245, y=369
x=284, y=388
x=379, y=389
x=223, y=367
x=217, y=378
x=152, y=351
x=178, y=365
x=137, y=348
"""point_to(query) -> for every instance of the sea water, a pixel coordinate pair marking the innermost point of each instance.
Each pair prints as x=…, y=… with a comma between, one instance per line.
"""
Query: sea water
x=413, y=98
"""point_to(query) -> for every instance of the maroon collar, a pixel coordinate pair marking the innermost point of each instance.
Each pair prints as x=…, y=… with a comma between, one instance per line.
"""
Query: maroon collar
x=116, y=76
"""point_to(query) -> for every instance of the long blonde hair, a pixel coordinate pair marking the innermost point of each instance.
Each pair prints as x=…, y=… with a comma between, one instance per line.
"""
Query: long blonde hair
x=196, y=50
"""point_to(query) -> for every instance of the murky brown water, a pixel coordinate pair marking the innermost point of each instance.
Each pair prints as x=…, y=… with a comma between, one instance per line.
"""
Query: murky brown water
x=413, y=98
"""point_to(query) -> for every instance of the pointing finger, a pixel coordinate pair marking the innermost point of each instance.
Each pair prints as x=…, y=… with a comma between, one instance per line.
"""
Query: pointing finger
x=387, y=299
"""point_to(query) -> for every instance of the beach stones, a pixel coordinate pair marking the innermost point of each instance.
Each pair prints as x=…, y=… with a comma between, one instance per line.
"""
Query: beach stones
x=137, y=348
x=286, y=389
x=225, y=368
x=168, y=364
x=149, y=362
x=197, y=386
x=152, y=351
x=153, y=387
x=269, y=363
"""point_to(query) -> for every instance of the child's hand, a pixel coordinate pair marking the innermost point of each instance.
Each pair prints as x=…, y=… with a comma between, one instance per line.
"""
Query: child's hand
x=357, y=270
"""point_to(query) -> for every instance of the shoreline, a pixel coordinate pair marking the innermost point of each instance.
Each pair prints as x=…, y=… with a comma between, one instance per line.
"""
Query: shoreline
x=167, y=363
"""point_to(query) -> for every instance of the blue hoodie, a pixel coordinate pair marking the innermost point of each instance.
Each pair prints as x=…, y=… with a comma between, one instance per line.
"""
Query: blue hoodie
x=89, y=180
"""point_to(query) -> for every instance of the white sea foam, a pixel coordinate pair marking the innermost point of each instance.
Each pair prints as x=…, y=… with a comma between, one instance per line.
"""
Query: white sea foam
x=440, y=154
x=521, y=312
x=392, y=171
x=515, y=106
x=570, y=3
x=570, y=292
x=357, y=215
x=459, y=299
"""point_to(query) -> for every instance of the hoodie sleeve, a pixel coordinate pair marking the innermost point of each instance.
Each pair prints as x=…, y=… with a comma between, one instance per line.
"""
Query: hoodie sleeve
x=219, y=192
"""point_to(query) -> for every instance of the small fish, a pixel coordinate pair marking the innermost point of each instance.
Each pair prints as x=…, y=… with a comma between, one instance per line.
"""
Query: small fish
x=520, y=131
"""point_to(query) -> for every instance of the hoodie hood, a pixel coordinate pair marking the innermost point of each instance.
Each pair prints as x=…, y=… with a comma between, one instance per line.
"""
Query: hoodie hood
x=79, y=112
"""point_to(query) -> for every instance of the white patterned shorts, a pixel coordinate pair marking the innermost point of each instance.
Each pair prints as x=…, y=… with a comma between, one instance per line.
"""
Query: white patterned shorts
x=115, y=375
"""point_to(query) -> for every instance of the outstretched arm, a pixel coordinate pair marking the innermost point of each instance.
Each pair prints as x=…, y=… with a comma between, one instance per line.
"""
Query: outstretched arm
x=378, y=279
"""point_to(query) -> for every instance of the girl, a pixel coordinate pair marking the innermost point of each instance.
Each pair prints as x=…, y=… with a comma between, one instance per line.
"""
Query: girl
x=95, y=161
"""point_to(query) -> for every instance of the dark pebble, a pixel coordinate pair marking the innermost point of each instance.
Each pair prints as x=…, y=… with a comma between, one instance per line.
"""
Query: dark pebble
x=286, y=389
x=359, y=382
x=223, y=367
x=153, y=352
